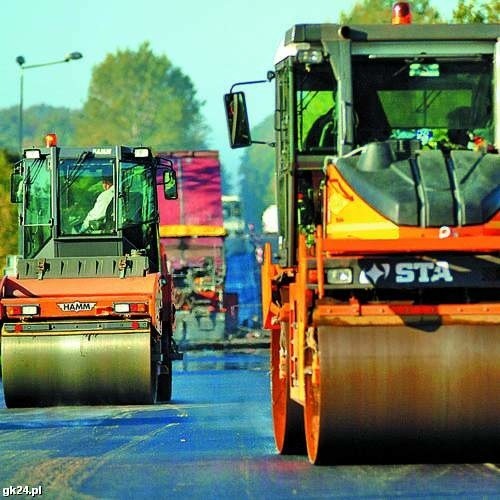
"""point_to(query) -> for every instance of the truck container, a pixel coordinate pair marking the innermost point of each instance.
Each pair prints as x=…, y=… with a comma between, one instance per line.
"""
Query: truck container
x=192, y=231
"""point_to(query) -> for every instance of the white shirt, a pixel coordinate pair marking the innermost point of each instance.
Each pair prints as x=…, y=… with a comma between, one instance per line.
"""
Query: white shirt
x=98, y=211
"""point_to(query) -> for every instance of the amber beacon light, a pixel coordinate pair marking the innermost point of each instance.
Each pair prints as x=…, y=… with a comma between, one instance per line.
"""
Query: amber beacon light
x=401, y=13
x=50, y=140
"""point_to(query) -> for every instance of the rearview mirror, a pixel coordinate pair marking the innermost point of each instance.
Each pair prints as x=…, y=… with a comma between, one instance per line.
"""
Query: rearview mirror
x=237, y=120
x=170, y=184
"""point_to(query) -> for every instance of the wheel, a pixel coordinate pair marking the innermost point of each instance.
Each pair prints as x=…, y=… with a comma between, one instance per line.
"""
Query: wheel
x=164, y=392
x=312, y=413
x=288, y=418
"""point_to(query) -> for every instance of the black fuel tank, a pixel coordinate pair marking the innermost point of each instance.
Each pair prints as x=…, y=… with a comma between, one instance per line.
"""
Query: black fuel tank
x=428, y=189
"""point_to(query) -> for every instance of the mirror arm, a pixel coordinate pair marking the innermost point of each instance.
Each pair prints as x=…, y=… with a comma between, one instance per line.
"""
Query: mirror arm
x=270, y=76
x=272, y=144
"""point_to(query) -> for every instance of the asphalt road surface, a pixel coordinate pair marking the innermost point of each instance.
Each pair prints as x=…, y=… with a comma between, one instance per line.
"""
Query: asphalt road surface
x=213, y=441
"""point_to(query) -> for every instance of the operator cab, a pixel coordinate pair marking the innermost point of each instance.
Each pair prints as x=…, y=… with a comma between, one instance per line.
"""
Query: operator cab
x=365, y=84
x=77, y=202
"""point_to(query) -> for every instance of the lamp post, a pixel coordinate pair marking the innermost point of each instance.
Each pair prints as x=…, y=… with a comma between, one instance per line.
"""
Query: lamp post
x=20, y=60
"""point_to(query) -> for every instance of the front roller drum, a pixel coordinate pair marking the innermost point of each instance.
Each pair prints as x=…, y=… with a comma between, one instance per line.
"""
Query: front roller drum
x=383, y=393
x=103, y=368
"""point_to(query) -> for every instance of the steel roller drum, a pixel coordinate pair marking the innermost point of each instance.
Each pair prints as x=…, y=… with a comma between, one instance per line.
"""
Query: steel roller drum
x=397, y=391
x=103, y=368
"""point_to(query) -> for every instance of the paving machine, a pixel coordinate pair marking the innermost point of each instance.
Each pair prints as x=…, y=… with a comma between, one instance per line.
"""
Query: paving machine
x=384, y=303
x=87, y=304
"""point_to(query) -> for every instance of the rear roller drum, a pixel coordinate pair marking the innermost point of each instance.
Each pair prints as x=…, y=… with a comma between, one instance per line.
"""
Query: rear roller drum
x=288, y=419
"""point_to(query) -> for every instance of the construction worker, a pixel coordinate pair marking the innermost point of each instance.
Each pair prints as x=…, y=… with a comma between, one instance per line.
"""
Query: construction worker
x=96, y=217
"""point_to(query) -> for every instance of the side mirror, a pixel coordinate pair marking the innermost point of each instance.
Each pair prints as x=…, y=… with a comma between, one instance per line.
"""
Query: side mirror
x=16, y=188
x=170, y=184
x=237, y=120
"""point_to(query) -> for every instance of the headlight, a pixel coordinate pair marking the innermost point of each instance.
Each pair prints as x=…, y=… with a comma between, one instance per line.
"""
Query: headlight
x=339, y=276
x=310, y=56
x=32, y=154
x=130, y=307
x=142, y=153
x=23, y=310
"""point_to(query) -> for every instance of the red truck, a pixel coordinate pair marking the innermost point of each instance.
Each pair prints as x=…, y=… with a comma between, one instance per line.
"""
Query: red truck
x=192, y=231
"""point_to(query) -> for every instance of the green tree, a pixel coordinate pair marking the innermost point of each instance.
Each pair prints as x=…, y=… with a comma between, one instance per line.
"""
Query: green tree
x=140, y=98
x=258, y=185
x=379, y=12
x=469, y=11
x=8, y=211
x=38, y=120
x=41, y=119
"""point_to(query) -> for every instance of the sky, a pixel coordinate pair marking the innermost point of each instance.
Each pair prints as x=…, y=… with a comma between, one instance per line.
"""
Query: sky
x=216, y=43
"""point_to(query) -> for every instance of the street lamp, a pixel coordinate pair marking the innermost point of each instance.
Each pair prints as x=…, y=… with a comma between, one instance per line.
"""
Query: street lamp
x=20, y=60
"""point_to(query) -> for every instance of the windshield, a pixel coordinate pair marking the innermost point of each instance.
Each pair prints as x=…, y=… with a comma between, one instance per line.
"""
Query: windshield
x=444, y=103
x=86, y=201
x=37, y=217
x=439, y=102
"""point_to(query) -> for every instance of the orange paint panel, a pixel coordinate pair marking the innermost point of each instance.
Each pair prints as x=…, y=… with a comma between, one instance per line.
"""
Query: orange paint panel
x=349, y=216
x=80, y=287
x=408, y=244
x=83, y=297
x=426, y=310
x=399, y=314
x=71, y=307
